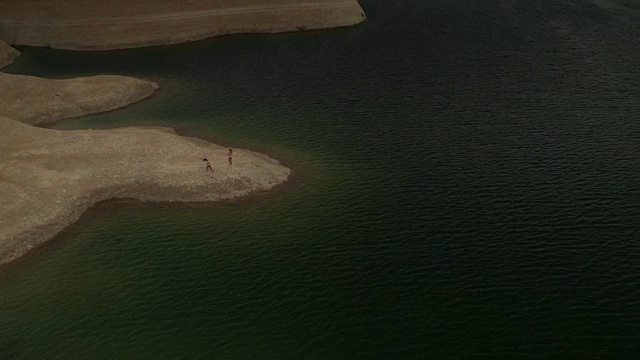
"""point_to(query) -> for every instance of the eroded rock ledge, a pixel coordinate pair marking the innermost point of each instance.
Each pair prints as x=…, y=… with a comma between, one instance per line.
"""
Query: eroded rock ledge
x=48, y=178
x=118, y=24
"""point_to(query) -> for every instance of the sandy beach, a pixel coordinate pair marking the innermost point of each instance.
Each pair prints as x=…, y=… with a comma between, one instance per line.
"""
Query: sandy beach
x=118, y=24
x=48, y=178
x=39, y=101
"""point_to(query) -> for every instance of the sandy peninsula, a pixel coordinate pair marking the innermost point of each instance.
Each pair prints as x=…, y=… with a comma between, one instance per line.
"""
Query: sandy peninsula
x=48, y=178
x=39, y=101
x=7, y=54
x=118, y=24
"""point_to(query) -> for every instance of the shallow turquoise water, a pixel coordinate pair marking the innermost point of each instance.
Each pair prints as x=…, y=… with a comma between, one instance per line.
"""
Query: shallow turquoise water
x=465, y=184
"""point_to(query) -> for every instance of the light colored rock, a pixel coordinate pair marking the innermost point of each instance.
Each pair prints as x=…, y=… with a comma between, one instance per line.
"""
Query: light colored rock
x=7, y=54
x=117, y=24
x=48, y=178
x=38, y=101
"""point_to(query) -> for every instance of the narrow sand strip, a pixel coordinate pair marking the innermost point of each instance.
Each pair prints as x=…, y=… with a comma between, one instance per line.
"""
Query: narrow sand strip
x=118, y=24
x=39, y=101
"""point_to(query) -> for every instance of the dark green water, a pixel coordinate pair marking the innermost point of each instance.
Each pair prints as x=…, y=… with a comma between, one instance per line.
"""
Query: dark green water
x=466, y=184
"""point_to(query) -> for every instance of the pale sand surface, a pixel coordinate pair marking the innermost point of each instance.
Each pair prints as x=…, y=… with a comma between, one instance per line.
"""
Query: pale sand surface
x=99, y=24
x=38, y=101
x=48, y=178
x=7, y=54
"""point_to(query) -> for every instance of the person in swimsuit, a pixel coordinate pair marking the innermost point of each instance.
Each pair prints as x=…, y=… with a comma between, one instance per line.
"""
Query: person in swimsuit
x=230, y=156
x=208, y=165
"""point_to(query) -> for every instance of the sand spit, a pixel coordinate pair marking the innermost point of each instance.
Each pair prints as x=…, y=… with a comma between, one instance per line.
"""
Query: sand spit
x=48, y=178
x=7, y=54
x=118, y=24
x=39, y=101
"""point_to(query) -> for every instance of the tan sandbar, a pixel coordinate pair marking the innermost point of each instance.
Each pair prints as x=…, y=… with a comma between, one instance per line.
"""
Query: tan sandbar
x=48, y=178
x=117, y=24
x=7, y=54
x=38, y=101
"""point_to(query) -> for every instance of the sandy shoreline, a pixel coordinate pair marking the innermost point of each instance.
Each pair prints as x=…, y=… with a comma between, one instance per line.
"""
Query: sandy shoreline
x=120, y=24
x=105, y=207
x=49, y=178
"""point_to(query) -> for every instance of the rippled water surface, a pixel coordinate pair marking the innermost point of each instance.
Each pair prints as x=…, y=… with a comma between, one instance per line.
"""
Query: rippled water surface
x=466, y=183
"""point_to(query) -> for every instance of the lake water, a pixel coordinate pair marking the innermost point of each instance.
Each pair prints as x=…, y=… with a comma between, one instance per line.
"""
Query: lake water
x=466, y=184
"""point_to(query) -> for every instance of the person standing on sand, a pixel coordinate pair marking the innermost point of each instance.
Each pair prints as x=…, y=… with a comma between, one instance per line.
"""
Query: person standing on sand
x=208, y=165
x=230, y=156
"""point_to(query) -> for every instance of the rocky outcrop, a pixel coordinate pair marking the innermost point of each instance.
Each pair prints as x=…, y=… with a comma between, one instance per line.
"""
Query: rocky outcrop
x=48, y=178
x=117, y=24
x=7, y=54
x=39, y=101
